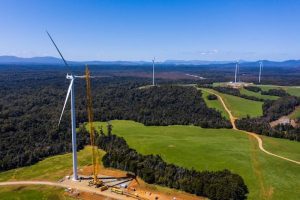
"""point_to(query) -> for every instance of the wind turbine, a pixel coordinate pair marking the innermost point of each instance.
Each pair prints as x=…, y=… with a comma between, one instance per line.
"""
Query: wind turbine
x=236, y=71
x=71, y=91
x=153, y=83
x=260, y=70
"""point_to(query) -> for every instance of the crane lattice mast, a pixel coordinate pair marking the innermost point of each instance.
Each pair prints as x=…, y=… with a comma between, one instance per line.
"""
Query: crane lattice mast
x=91, y=127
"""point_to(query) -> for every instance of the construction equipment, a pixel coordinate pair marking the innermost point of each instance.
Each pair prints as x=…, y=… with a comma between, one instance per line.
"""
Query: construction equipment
x=95, y=162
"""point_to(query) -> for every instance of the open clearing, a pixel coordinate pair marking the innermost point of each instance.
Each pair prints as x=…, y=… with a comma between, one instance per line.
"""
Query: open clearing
x=56, y=167
x=257, y=94
x=292, y=90
x=188, y=146
x=51, y=169
x=215, y=149
x=32, y=192
x=295, y=114
x=214, y=104
x=241, y=107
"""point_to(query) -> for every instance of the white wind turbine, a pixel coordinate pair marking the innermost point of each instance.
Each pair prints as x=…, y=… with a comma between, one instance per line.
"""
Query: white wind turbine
x=153, y=83
x=260, y=70
x=71, y=90
x=236, y=71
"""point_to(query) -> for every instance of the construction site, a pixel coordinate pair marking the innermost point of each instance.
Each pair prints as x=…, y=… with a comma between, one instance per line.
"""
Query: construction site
x=120, y=185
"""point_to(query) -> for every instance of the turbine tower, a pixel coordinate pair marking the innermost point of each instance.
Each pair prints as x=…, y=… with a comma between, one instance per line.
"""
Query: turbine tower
x=71, y=90
x=153, y=83
x=236, y=71
x=260, y=69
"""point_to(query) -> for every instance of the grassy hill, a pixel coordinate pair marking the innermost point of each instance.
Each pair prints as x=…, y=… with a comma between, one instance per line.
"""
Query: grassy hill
x=188, y=146
x=52, y=168
x=214, y=149
x=292, y=90
x=295, y=114
x=257, y=94
x=241, y=107
x=214, y=104
x=33, y=192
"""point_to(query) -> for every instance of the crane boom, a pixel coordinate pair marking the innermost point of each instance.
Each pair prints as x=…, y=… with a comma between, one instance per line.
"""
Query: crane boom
x=91, y=127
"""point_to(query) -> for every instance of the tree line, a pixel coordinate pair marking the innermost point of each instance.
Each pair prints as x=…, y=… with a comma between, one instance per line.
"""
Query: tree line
x=31, y=103
x=215, y=185
x=232, y=91
x=160, y=105
x=273, y=110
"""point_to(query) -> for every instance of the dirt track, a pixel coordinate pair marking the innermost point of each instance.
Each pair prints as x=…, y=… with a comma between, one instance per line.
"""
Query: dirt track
x=64, y=185
x=259, y=140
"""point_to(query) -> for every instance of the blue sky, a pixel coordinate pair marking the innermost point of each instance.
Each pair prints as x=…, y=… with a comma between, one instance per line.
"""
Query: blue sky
x=141, y=29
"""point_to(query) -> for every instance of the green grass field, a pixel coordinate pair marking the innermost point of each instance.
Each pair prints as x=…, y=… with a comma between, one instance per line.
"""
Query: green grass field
x=292, y=90
x=187, y=146
x=257, y=94
x=32, y=193
x=51, y=169
x=295, y=114
x=214, y=104
x=215, y=149
x=241, y=107
x=283, y=147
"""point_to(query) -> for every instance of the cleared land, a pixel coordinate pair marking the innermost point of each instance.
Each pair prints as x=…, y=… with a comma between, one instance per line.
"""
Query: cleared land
x=257, y=94
x=292, y=90
x=56, y=167
x=214, y=149
x=241, y=107
x=283, y=147
x=32, y=192
x=214, y=104
x=52, y=168
x=295, y=114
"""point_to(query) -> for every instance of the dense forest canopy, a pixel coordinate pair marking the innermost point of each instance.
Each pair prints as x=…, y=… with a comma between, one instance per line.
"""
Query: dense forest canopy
x=273, y=110
x=31, y=102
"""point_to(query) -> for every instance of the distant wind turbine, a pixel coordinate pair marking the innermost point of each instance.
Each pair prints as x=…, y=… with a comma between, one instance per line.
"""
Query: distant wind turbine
x=236, y=71
x=260, y=70
x=153, y=78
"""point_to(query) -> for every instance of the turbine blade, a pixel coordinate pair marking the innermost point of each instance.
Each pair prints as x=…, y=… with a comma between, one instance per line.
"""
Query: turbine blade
x=80, y=76
x=57, y=49
x=68, y=94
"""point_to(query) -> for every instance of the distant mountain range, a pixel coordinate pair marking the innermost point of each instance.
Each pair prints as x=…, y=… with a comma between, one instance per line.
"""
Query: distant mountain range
x=57, y=61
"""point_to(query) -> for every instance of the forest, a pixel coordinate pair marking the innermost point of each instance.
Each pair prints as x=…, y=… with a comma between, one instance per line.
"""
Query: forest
x=31, y=102
x=163, y=105
x=273, y=110
x=216, y=185
x=275, y=92
x=231, y=91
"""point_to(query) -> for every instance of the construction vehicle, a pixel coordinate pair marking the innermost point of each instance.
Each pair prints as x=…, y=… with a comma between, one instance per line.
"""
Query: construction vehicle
x=95, y=162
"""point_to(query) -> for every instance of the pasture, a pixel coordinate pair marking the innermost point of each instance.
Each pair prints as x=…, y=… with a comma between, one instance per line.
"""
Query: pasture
x=257, y=94
x=33, y=192
x=216, y=104
x=241, y=107
x=292, y=90
x=216, y=149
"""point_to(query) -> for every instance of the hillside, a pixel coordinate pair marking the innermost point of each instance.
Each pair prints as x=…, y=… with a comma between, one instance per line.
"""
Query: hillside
x=210, y=149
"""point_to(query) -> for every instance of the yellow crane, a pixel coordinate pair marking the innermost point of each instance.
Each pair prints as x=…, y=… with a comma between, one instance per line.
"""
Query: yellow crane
x=95, y=161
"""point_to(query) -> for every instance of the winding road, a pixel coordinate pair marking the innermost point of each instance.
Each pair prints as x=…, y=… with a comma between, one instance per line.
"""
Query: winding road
x=259, y=140
x=105, y=194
